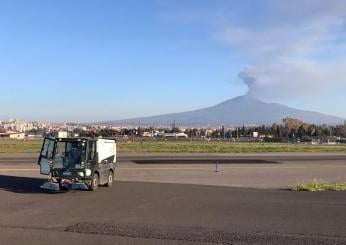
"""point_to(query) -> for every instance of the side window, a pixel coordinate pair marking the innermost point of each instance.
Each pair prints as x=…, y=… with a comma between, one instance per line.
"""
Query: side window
x=47, y=149
x=50, y=149
x=91, y=150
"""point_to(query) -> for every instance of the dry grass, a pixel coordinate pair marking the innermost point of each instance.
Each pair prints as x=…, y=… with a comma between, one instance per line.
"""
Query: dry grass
x=225, y=147
x=34, y=146
x=319, y=185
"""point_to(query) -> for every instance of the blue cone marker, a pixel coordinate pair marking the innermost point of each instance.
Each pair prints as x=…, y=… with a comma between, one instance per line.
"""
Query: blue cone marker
x=217, y=168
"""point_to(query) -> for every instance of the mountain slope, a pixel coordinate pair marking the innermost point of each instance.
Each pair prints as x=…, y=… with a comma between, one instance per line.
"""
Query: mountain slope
x=234, y=112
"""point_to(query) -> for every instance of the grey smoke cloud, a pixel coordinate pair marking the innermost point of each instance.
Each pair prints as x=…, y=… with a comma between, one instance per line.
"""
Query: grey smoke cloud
x=293, y=48
x=296, y=48
x=287, y=78
x=249, y=77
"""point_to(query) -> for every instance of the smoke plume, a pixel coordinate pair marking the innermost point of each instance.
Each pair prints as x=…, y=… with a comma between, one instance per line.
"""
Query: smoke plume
x=295, y=50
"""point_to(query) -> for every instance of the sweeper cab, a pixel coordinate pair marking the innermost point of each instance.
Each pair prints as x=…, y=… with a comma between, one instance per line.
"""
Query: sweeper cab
x=77, y=163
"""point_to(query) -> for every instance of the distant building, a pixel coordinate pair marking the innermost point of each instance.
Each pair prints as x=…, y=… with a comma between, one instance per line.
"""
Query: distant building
x=34, y=136
x=175, y=135
x=181, y=135
x=17, y=136
x=148, y=134
x=169, y=135
x=62, y=134
x=4, y=135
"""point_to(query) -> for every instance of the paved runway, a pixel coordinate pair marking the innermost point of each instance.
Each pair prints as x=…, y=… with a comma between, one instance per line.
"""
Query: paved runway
x=148, y=205
x=279, y=171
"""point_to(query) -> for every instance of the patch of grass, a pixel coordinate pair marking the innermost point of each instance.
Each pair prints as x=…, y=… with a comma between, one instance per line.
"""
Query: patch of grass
x=320, y=186
x=34, y=146
x=20, y=146
x=224, y=147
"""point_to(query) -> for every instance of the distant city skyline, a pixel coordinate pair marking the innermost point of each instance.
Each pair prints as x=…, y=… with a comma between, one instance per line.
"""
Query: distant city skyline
x=88, y=61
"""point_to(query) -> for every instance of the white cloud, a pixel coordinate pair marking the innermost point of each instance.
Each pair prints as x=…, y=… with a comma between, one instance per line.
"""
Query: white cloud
x=294, y=48
x=287, y=78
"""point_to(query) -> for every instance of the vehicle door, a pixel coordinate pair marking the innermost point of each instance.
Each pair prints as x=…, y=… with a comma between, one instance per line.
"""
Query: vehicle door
x=108, y=155
x=92, y=161
x=101, y=161
x=46, y=157
x=102, y=170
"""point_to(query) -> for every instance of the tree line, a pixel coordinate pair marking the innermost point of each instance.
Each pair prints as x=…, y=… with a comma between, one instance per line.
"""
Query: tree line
x=290, y=128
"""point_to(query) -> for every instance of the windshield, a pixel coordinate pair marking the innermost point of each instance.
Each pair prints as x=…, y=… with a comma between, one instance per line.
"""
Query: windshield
x=69, y=154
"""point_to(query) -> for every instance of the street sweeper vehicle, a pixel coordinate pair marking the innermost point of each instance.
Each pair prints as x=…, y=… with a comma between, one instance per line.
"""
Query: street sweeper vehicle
x=77, y=163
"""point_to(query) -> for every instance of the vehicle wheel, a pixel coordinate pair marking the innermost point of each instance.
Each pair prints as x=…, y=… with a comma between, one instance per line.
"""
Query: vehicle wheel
x=110, y=178
x=94, y=183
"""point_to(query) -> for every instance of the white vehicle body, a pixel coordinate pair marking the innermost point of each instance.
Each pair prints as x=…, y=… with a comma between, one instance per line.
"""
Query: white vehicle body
x=106, y=149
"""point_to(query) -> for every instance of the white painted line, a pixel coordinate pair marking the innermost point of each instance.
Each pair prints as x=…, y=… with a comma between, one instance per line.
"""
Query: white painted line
x=191, y=168
x=227, y=167
x=19, y=169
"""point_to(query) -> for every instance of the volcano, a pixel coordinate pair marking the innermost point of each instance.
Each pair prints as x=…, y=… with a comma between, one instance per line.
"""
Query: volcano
x=242, y=110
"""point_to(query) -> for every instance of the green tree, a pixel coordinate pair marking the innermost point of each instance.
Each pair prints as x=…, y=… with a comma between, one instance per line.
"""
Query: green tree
x=301, y=132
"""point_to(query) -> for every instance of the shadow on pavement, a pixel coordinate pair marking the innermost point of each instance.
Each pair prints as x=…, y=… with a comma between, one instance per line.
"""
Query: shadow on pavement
x=205, y=161
x=25, y=185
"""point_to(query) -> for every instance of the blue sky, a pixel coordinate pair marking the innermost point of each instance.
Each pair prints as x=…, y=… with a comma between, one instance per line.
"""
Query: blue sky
x=99, y=60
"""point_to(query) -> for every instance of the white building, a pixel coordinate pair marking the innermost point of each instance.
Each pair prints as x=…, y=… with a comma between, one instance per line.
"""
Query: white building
x=17, y=136
x=62, y=134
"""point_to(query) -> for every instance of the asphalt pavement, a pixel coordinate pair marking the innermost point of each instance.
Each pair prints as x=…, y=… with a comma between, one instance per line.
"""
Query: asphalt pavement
x=143, y=207
x=266, y=171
